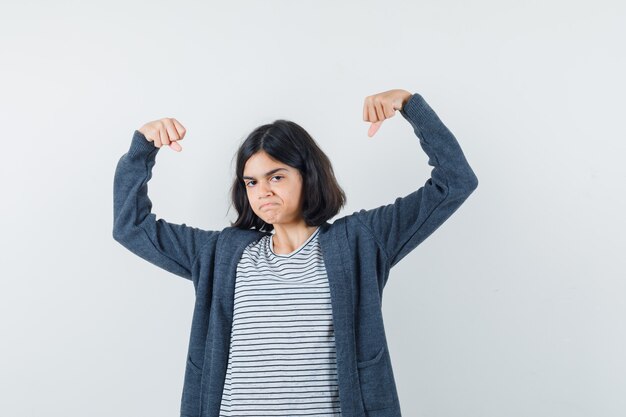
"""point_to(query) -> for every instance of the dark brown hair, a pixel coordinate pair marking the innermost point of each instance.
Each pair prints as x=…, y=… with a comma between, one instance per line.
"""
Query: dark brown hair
x=289, y=143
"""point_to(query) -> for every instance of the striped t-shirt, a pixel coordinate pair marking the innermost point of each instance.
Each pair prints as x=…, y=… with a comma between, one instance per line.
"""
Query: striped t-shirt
x=282, y=359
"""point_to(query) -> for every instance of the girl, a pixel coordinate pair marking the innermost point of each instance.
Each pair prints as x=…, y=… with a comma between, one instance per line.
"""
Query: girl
x=287, y=318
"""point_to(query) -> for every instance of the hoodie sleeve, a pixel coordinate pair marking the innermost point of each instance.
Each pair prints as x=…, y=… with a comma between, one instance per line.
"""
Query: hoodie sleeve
x=170, y=246
x=400, y=227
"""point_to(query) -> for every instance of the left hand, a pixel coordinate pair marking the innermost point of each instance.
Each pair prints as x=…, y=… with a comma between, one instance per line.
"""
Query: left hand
x=381, y=106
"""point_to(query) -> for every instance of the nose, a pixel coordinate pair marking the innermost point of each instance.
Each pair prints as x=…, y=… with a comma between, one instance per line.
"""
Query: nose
x=264, y=189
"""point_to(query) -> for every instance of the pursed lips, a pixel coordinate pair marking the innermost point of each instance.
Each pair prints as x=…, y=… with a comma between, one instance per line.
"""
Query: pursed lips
x=266, y=205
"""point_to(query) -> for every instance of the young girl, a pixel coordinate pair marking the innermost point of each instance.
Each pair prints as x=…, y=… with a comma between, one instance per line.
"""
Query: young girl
x=287, y=318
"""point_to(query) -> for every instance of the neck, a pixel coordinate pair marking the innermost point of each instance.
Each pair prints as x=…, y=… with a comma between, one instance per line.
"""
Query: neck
x=289, y=237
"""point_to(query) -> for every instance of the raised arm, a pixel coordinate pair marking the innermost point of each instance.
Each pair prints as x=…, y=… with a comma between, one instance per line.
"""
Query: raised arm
x=400, y=227
x=173, y=247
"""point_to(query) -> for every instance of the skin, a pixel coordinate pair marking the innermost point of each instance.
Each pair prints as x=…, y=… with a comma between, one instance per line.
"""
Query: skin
x=282, y=188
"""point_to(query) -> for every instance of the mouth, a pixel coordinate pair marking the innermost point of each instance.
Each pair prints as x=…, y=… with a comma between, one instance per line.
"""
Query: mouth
x=266, y=205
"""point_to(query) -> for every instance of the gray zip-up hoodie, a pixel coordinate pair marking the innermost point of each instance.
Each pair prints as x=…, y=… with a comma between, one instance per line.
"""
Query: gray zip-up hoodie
x=358, y=249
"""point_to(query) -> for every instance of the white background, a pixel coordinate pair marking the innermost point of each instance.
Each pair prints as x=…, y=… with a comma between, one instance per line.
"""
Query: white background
x=514, y=307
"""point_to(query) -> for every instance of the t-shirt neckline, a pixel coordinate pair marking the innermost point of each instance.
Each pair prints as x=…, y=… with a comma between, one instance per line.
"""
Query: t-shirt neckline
x=298, y=249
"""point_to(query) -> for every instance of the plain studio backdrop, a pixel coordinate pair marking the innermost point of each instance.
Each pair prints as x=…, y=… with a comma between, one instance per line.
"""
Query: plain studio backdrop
x=514, y=307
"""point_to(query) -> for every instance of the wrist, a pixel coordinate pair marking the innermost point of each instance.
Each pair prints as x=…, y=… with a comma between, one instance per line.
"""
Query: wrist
x=407, y=96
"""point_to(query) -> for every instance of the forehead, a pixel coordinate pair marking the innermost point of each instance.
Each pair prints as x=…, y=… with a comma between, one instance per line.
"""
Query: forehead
x=262, y=163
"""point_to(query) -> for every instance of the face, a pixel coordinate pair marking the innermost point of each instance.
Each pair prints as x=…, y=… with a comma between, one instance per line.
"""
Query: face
x=270, y=181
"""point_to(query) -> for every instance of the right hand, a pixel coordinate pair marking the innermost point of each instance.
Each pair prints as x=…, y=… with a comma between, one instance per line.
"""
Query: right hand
x=166, y=131
x=379, y=107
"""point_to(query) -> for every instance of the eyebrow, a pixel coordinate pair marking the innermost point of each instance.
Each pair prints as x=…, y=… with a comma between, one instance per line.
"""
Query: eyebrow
x=268, y=173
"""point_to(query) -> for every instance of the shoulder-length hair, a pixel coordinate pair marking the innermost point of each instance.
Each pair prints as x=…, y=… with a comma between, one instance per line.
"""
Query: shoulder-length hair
x=289, y=143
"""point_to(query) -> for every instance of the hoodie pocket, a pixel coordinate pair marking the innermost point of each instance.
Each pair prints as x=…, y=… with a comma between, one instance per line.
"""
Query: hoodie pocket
x=375, y=381
x=193, y=366
x=190, y=401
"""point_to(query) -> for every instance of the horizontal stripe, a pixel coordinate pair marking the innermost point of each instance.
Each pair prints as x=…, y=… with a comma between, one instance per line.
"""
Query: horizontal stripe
x=282, y=359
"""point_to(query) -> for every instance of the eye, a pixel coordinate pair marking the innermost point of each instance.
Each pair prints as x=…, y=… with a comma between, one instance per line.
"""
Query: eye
x=252, y=181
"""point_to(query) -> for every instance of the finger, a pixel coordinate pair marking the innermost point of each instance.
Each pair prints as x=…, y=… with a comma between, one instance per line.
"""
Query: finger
x=165, y=140
x=365, y=114
x=374, y=128
x=372, y=113
x=163, y=135
x=174, y=145
x=380, y=112
x=181, y=130
x=172, y=133
x=389, y=110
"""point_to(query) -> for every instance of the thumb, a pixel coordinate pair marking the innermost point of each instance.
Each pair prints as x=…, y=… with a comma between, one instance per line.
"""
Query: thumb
x=174, y=145
x=374, y=128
